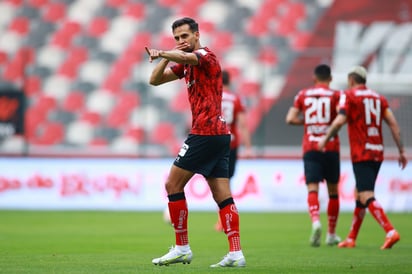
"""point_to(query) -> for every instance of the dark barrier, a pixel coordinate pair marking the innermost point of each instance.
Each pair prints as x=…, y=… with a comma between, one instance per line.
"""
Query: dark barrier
x=11, y=113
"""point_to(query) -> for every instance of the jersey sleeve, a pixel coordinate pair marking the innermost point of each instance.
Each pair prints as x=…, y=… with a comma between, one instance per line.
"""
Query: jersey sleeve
x=297, y=101
x=343, y=104
x=178, y=70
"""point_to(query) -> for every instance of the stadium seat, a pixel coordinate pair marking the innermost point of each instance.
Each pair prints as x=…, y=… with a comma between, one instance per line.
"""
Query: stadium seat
x=52, y=133
x=164, y=133
x=135, y=10
x=37, y=3
x=74, y=102
x=21, y=25
x=99, y=142
x=100, y=101
x=268, y=56
x=55, y=12
x=116, y=3
x=180, y=102
x=98, y=26
x=79, y=133
x=137, y=133
x=32, y=85
x=168, y=3
x=90, y=117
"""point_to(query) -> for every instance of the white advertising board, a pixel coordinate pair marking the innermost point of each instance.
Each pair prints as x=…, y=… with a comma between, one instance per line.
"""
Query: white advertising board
x=138, y=184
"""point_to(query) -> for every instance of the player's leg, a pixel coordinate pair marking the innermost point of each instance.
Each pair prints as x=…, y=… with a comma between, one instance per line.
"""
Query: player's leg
x=232, y=165
x=229, y=216
x=178, y=211
x=367, y=198
x=357, y=220
x=332, y=213
x=332, y=176
x=313, y=175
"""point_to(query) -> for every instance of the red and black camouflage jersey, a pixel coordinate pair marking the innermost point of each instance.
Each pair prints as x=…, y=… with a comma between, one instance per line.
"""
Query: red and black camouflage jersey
x=232, y=105
x=204, y=85
x=364, y=109
x=319, y=107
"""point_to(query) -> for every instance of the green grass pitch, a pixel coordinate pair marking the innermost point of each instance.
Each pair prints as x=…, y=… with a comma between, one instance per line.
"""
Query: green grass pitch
x=125, y=242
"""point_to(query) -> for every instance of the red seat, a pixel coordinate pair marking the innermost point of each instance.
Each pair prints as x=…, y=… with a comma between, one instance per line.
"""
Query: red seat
x=135, y=10
x=300, y=40
x=99, y=141
x=46, y=103
x=180, y=102
x=163, y=133
x=98, y=26
x=137, y=133
x=33, y=118
x=64, y=36
x=54, y=12
x=74, y=102
x=249, y=88
x=267, y=55
x=128, y=100
x=91, y=117
x=3, y=57
x=116, y=3
x=38, y=3
x=20, y=25
x=52, y=133
x=32, y=85
x=168, y=3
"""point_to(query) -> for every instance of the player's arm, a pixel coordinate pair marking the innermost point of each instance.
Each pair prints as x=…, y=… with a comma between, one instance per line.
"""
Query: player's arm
x=293, y=117
x=390, y=119
x=162, y=74
x=334, y=128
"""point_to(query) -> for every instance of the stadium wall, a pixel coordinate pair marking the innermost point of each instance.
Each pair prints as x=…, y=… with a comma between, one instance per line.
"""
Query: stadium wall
x=137, y=184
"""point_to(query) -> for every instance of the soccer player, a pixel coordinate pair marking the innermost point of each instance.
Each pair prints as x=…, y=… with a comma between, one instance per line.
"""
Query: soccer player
x=315, y=108
x=234, y=112
x=206, y=149
x=363, y=110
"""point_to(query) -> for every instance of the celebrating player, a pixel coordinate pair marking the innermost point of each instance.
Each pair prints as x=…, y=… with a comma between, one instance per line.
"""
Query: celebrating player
x=318, y=104
x=363, y=110
x=206, y=149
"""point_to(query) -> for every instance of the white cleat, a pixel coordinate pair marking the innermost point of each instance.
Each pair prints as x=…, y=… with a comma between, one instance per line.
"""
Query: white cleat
x=332, y=239
x=174, y=256
x=230, y=261
x=316, y=234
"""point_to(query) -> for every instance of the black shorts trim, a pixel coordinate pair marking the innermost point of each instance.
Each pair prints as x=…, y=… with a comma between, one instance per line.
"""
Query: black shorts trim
x=205, y=154
x=319, y=166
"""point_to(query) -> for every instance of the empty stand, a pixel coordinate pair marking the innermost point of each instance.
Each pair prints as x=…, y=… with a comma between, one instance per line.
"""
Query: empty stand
x=85, y=72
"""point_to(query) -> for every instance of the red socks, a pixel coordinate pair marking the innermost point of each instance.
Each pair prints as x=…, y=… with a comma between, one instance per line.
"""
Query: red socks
x=358, y=215
x=178, y=216
x=377, y=212
x=333, y=213
x=230, y=222
x=313, y=205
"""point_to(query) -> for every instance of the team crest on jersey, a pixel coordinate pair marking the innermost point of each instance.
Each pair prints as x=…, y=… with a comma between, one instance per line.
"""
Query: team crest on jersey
x=202, y=52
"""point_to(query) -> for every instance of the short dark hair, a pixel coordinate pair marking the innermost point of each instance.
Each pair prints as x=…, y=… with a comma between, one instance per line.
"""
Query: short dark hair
x=322, y=72
x=225, y=77
x=193, y=25
x=357, y=78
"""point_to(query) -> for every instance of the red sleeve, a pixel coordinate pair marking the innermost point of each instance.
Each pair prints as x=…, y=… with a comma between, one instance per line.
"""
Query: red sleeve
x=178, y=70
x=297, y=103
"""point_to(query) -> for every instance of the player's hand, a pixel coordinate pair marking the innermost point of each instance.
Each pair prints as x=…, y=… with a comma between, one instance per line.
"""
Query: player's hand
x=322, y=143
x=403, y=161
x=153, y=54
x=183, y=46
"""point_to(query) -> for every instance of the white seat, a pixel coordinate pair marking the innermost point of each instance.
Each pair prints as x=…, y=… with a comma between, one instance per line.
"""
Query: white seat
x=100, y=101
x=79, y=133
